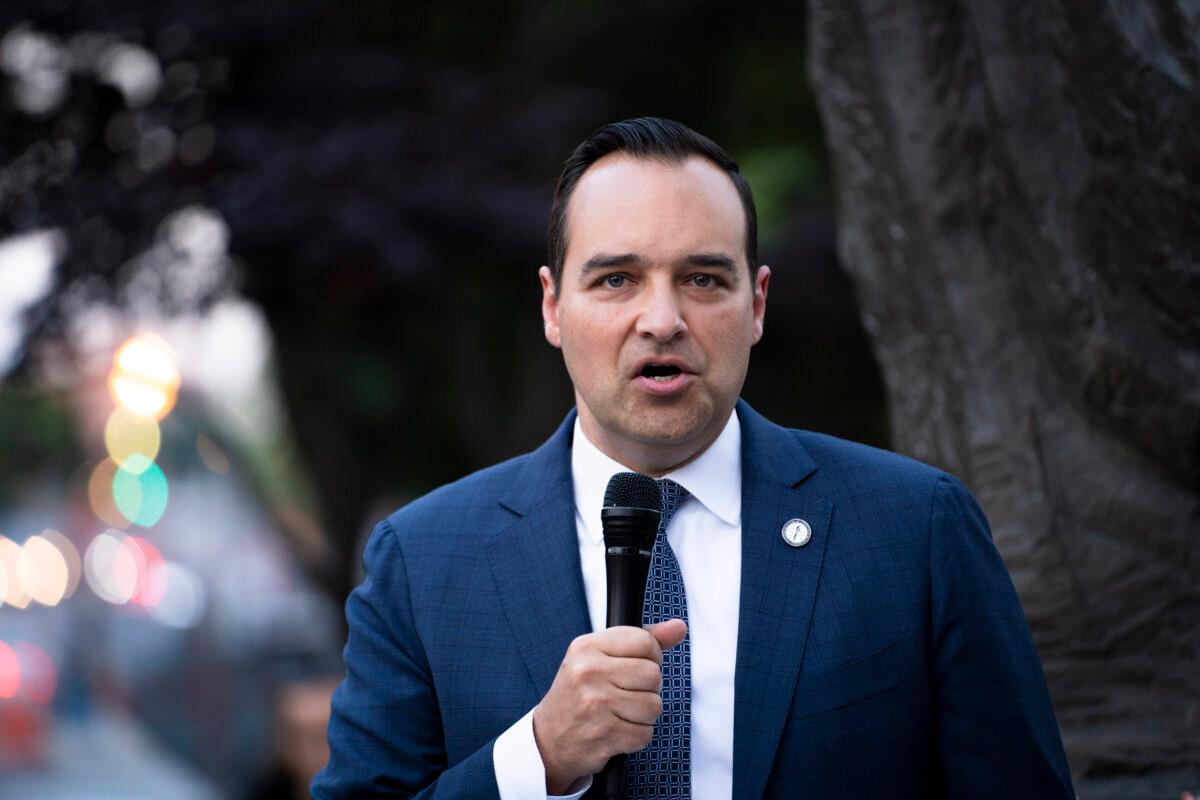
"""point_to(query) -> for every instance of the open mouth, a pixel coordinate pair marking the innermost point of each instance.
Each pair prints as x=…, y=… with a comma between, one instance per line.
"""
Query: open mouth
x=660, y=372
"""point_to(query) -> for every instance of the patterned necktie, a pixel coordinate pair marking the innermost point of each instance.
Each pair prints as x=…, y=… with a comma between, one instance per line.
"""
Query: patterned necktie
x=664, y=767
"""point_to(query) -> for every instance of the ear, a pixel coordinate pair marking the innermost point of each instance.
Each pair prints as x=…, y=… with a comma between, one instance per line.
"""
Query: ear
x=761, y=280
x=549, y=308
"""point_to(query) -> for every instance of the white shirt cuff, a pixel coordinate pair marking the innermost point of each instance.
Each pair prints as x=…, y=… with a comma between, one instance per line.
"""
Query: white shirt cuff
x=520, y=773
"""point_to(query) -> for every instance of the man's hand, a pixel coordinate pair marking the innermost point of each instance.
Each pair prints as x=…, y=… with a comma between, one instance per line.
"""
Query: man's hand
x=604, y=700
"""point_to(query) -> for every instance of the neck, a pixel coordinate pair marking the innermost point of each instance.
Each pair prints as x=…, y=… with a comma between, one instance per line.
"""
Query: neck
x=649, y=458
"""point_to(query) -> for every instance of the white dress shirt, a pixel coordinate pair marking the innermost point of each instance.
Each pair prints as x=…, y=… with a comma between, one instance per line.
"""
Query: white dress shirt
x=706, y=535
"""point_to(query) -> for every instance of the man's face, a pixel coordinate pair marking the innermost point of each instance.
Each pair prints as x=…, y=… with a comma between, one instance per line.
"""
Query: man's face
x=656, y=310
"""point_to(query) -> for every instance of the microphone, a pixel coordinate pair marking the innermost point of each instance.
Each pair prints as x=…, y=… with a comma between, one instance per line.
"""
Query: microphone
x=630, y=516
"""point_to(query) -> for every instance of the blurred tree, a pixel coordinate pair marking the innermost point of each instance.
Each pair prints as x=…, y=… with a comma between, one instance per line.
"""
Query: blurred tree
x=39, y=441
x=385, y=171
x=1019, y=198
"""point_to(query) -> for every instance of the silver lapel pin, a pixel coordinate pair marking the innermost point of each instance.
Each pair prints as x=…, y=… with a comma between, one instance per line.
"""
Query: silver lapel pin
x=796, y=532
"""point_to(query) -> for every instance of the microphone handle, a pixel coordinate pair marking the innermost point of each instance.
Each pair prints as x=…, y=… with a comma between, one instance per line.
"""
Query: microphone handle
x=628, y=546
x=614, y=777
x=627, y=568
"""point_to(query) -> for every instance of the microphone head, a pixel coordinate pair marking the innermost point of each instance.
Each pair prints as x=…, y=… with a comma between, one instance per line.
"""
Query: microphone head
x=633, y=490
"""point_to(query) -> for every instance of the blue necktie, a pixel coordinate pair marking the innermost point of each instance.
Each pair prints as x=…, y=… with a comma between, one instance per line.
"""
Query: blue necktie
x=664, y=767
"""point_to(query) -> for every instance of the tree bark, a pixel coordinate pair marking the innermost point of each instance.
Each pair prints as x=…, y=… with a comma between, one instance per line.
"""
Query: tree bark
x=1019, y=201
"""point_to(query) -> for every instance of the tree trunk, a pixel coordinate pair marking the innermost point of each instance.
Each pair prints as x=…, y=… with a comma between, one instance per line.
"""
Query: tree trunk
x=1019, y=205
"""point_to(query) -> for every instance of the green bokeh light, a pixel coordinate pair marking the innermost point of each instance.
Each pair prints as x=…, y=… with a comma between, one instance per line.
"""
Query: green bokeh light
x=140, y=491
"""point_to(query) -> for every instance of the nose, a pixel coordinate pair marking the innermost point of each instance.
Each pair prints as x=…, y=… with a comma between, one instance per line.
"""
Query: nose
x=661, y=317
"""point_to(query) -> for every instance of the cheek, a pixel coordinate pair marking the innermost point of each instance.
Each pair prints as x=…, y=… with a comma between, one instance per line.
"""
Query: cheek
x=590, y=340
x=591, y=351
x=729, y=341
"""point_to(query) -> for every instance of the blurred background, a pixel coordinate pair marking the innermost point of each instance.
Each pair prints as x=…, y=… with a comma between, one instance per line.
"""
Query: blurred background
x=268, y=271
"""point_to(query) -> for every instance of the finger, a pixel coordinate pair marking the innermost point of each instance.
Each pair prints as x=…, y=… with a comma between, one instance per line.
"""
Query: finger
x=629, y=737
x=635, y=674
x=668, y=633
x=626, y=641
x=639, y=708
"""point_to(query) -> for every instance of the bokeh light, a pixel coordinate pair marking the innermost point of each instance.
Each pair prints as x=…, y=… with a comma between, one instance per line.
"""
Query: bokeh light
x=12, y=563
x=10, y=672
x=70, y=556
x=149, y=591
x=140, y=491
x=38, y=675
x=100, y=494
x=144, y=378
x=112, y=569
x=128, y=434
x=182, y=599
x=44, y=571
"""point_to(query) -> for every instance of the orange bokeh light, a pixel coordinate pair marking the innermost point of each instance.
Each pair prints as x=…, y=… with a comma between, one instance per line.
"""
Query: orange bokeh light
x=144, y=378
x=100, y=494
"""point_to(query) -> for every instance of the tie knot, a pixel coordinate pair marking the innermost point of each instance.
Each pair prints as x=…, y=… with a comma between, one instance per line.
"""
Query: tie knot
x=672, y=495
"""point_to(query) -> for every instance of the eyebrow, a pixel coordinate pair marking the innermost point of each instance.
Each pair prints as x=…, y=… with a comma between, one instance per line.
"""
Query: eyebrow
x=602, y=261
x=721, y=260
x=608, y=261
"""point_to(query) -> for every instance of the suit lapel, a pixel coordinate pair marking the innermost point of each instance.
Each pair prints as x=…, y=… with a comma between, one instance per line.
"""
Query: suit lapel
x=779, y=584
x=535, y=561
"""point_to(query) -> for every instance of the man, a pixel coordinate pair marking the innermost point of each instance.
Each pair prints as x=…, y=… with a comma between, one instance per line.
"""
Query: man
x=845, y=626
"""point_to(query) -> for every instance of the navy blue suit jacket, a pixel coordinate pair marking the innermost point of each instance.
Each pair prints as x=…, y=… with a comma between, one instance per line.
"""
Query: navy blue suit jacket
x=889, y=657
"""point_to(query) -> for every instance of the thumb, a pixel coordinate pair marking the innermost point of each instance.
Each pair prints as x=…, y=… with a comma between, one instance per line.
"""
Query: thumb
x=668, y=632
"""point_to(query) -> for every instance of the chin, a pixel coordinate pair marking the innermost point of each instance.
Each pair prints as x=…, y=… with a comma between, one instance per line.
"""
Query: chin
x=668, y=426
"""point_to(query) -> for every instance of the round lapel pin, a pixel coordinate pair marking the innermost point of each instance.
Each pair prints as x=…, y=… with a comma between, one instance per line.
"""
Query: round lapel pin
x=796, y=532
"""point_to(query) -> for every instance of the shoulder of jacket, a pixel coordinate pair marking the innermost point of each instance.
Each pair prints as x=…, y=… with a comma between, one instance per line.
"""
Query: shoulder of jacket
x=848, y=463
x=478, y=491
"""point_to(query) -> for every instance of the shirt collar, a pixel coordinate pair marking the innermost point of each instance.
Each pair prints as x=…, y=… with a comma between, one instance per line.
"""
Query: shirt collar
x=714, y=478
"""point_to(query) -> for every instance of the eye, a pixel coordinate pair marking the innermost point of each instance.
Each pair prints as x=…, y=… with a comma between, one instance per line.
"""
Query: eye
x=614, y=281
x=705, y=281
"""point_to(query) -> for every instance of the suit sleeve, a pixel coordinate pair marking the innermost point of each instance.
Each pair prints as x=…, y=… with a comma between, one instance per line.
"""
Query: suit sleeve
x=385, y=732
x=996, y=731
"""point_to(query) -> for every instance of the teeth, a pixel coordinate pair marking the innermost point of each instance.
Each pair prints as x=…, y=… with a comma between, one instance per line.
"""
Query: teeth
x=663, y=378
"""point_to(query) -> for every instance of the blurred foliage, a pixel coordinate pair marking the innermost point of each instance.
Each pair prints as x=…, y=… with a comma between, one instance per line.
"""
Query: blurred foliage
x=783, y=178
x=385, y=172
x=460, y=31
x=37, y=439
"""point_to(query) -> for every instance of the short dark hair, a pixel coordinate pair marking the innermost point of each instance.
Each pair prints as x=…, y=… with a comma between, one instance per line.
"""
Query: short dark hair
x=643, y=137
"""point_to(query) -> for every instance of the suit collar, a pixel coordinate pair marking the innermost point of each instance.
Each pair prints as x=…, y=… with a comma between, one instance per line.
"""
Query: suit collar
x=771, y=450
x=544, y=469
x=767, y=449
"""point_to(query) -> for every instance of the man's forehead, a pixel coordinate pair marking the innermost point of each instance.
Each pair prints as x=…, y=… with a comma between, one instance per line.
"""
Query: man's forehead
x=622, y=200
x=631, y=174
